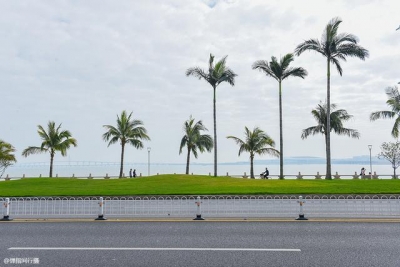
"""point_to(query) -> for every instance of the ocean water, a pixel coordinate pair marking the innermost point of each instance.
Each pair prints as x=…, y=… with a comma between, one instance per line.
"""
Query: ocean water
x=100, y=170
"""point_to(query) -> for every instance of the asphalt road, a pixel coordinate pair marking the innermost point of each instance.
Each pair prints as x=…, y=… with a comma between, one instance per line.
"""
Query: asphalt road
x=203, y=243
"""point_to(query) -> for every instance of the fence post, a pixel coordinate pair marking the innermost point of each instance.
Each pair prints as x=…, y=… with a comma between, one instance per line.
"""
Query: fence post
x=299, y=177
x=198, y=213
x=6, y=210
x=301, y=213
x=101, y=210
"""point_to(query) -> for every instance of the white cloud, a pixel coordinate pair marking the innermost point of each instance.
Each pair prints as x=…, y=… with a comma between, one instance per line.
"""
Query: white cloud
x=82, y=63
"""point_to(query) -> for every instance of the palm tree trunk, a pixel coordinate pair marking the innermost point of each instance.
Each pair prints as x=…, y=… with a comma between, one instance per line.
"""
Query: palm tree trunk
x=328, y=123
x=251, y=166
x=121, y=169
x=215, y=133
x=51, y=163
x=188, y=161
x=281, y=134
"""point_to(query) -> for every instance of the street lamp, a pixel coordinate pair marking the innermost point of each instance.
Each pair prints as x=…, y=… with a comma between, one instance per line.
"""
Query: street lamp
x=370, y=162
x=148, y=161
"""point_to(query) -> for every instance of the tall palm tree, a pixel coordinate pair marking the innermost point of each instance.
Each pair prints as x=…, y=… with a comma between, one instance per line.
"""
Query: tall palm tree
x=280, y=71
x=53, y=140
x=216, y=75
x=127, y=131
x=6, y=156
x=394, y=103
x=256, y=142
x=194, y=140
x=334, y=47
x=337, y=117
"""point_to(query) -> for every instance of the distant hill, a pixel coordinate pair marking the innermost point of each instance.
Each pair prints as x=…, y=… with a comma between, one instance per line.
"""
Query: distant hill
x=357, y=160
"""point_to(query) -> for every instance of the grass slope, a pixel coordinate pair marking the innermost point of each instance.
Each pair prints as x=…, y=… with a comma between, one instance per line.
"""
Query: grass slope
x=190, y=185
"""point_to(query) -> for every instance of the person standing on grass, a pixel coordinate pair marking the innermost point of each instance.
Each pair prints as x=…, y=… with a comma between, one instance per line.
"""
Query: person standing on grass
x=134, y=173
x=130, y=173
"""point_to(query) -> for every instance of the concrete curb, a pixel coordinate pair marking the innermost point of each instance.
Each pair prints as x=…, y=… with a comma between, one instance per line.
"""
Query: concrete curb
x=374, y=220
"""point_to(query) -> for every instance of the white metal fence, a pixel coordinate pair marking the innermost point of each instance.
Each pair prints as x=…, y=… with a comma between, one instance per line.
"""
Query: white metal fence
x=211, y=206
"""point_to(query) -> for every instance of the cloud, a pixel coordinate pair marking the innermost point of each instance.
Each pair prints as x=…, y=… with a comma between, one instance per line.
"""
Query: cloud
x=82, y=63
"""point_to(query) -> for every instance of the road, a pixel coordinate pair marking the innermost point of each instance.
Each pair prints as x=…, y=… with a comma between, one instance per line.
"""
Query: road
x=200, y=243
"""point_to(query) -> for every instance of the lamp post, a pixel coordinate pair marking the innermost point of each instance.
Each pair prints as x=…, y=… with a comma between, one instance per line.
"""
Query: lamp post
x=148, y=161
x=370, y=162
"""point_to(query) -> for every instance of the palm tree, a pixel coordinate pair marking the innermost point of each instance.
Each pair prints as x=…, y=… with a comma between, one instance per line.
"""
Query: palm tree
x=394, y=103
x=127, y=131
x=6, y=156
x=337, y=117
x=256, y=142
x=194, y=140
x=280, y=71
x=53, y=140
x=333, y=47
x=216, y=75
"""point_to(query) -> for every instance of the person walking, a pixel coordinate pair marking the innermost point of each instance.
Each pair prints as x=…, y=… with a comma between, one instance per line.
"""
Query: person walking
x=362, y=173
x=130, y=173
x=134, y=173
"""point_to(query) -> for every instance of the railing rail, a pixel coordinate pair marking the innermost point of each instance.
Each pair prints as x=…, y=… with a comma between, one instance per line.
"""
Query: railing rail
x=211, y=206
x=244, y=175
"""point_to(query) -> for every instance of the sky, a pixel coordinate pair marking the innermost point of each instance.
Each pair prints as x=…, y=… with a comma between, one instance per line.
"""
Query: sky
x=81, y=63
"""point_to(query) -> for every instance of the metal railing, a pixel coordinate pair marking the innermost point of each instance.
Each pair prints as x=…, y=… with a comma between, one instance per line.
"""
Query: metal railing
x=211, y=206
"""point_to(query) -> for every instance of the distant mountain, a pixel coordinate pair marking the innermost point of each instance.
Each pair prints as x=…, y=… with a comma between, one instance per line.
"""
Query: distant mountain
x=356, y=160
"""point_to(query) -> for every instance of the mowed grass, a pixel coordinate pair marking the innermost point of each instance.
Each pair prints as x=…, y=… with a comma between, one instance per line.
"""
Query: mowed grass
x=190, y=185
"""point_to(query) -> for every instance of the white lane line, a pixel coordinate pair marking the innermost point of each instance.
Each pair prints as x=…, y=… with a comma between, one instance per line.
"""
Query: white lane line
x=166, y=249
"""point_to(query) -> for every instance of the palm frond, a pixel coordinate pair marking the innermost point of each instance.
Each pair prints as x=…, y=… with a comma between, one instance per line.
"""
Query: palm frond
x=395, y=129
x=381, y=115
x=351, y=50
x=286, y=60
x=264, y=66
x=183, y=143
x=313, y=130
x=6, y=152
x=33, y=150
x=296, y=72
x=345, y=37
x=349, y=132
x=198, y=73
x=336, y=63
x=309, y=45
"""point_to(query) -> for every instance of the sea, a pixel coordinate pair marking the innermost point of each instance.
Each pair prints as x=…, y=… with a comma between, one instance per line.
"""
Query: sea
x=101, y=169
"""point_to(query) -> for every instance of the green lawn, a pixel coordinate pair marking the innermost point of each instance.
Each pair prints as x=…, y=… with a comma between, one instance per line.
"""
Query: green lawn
x=190, y=185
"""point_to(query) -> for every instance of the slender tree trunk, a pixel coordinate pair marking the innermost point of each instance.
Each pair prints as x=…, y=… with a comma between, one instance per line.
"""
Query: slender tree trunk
x=188, y=161
x=215, y=133
x=394, y=173
x=328, y=122
x=51, y=163
x=121, y=169
x=281, y=133
x=251, y=166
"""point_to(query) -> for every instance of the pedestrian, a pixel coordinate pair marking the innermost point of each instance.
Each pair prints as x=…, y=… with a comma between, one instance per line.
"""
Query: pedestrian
x=130, y=173
x=362, y=173
x=134, y=173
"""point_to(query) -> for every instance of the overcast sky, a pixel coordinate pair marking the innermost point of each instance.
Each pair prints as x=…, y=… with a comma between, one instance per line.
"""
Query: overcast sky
x=80, y=63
